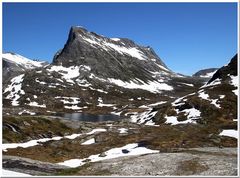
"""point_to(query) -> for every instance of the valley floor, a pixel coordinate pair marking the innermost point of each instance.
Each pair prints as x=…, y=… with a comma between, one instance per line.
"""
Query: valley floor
x=44, y=145
x=209, y=161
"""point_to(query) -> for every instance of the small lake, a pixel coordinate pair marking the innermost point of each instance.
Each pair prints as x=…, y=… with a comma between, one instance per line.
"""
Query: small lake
x=89, y=117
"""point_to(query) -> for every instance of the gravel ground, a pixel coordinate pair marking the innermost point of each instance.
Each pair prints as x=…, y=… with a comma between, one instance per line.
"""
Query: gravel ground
x=198, y=161
x=209, y=161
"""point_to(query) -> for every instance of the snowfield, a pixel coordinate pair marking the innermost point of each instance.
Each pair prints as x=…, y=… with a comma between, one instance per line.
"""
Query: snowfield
x=89, y=142
x=30, y=143
x=208, y=75
x=230, y=133
x=96, y=42
x=15, y=88
x=152, y=86
x=20, y=60
x=127, y=150
x=235, y=82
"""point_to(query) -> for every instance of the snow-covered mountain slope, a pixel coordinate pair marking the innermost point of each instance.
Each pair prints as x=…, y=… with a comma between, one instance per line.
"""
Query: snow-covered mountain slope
x=120, y=59
x=22, y=61
x=93, y=73
x=205, y=73
x=15, y=64
x=215, y=103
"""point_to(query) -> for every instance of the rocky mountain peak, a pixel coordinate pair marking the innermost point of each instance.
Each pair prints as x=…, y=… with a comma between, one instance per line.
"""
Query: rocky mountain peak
x=118, y=58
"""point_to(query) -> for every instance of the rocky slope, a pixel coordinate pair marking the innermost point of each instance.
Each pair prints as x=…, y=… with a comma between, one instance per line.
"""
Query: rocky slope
x=15, y=64
x=93, y=74
x=162, y=114
x=213, y=104
x=205, y=73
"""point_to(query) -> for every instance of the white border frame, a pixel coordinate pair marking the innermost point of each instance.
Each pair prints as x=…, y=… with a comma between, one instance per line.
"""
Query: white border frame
x=141, y=1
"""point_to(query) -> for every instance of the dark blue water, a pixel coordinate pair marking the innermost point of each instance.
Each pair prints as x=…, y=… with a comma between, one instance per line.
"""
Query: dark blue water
x=89, y=117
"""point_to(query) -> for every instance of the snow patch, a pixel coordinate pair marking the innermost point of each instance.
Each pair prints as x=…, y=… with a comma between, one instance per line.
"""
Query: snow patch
x=132, y=51
x=31, y=143
x=25, y=62
x=127, y=150
x=73, y=107
x=208, y=75
x=156, y=104
x=152, y=86
x=8, y=173
x=42, y=83
x=89, y=142
x=214, y=102
x=144, y=117
x=123, y=130
x=15, y=89
x=115, y=39
x=192, y=115
x=188, y=84
x=100, y=104
x=68, y=73
x=26, y=112
x=203, y=95
x=230, y=133
x=173, y=120
x=35, y=104
x=235, y=82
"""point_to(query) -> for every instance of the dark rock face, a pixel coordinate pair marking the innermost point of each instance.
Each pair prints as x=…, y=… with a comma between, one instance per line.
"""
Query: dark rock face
x=205, y=73
x=114, y=58
x=95, y=74
x=225, y=71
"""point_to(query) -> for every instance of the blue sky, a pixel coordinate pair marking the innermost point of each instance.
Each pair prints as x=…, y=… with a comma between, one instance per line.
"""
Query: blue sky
x=186, y=36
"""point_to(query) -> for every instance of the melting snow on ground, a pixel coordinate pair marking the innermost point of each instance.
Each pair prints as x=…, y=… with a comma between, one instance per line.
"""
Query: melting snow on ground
x=144, y=117
x=26, y=112
x=68, y=73
x=39, y=141
x=235, y=82
x=18, y=59
x=152, y=86
x=128, y=150
x=205, y=96
x=156, y=104
x=123, y=130
x=35, y=104
x=89, y=142
x=213, y=83
x=230, y=133
x=188, y=84
x=115, y=39
x=173, y=120
x=208, y=75
x=192, y=114
x=131, y=51
x=100, y=103
x=15, y=89
x=38, y=81
x=7, y=173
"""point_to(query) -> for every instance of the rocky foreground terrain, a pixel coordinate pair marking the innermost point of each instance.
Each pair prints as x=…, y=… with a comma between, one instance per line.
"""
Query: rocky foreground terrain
x=161, y=122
